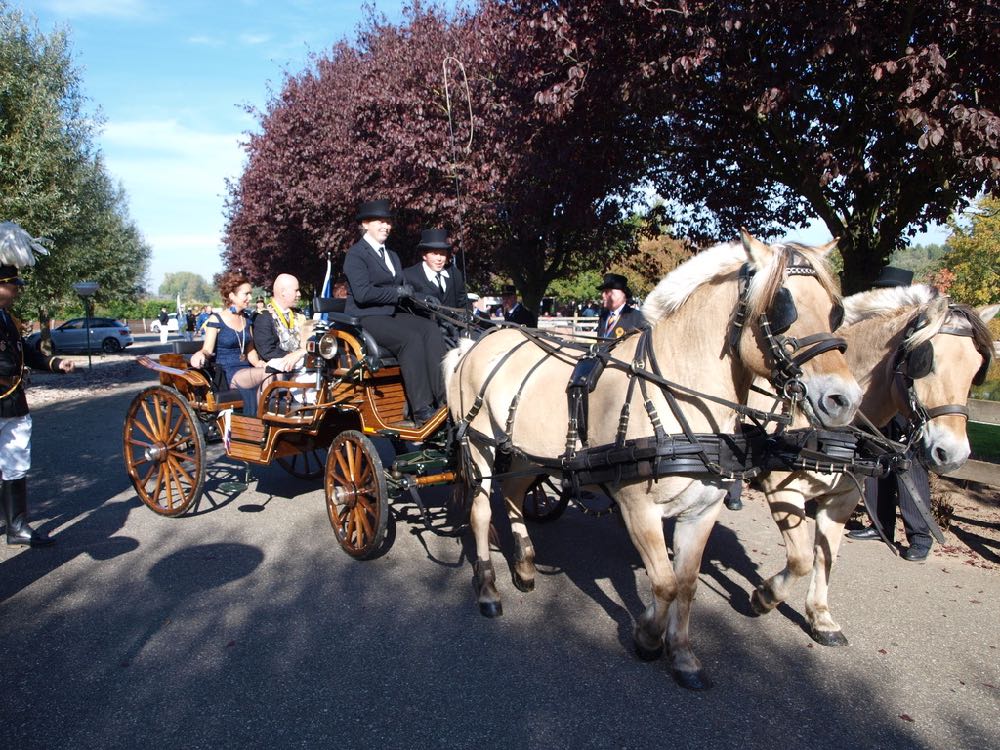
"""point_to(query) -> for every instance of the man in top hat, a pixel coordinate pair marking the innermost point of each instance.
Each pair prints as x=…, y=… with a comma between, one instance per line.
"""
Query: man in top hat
x=885, y=493
x=617, y=316
x=15, y=422
x=377, y=287
x=433, y=277
x=514, y=311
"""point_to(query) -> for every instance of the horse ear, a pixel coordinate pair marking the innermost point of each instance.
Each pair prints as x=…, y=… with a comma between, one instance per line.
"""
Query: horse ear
x=758, y=253
x=828, y=248
x=986, y=314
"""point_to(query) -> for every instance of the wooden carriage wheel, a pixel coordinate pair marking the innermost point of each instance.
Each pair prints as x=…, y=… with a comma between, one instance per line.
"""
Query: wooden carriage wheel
x=357, y=500
x=544, y=500
x=164, y=450
x=306, y=465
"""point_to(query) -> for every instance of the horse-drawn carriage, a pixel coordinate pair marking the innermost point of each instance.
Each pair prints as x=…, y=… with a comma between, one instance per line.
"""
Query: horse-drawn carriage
x=634, y=417
x=315, y=427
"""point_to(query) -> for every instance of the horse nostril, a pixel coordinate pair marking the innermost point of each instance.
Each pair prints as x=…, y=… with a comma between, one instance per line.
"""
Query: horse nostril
x=940, y=455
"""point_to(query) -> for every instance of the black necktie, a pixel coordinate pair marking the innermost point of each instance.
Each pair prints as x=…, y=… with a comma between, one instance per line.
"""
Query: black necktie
x=440, y=282
x=381, y=254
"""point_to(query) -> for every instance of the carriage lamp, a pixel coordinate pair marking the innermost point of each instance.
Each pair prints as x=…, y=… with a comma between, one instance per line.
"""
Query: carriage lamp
x=86, y=290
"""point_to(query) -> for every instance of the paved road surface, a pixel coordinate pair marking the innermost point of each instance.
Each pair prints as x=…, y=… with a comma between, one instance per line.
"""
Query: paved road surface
x=246, y=626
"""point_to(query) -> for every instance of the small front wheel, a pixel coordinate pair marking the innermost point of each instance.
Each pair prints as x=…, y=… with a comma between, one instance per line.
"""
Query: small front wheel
x=357, y=499
x=164, y=451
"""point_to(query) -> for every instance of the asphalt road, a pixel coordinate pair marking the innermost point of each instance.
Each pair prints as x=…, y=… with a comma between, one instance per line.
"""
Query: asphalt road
x=244, y=625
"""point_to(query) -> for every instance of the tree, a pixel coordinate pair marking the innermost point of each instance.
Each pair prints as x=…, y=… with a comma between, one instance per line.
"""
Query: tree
x=542, y=192
x=190, y=286
x=53, y=182
x=876, y=117
x=974, y=255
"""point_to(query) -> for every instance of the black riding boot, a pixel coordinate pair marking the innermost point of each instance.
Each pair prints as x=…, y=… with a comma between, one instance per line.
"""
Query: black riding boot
x=15, y=510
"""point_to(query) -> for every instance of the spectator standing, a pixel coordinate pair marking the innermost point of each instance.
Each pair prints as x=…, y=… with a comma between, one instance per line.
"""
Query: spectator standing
x=164, y=319
x=514, y=311
x=189, y=324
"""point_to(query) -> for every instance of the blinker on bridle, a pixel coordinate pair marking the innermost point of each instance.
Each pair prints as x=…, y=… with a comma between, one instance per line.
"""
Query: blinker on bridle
x=788, y=354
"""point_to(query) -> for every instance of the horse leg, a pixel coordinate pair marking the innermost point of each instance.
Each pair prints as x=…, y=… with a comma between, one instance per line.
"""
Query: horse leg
x=523, y=572
x=690, y=537
x=484, y=580
x=788, y=511
x=831, y=515
x=644, y=521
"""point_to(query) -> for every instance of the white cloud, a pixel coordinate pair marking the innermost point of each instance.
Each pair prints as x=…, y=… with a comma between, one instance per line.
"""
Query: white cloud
x=107, y=8
x=254, y=39
x=207, y=41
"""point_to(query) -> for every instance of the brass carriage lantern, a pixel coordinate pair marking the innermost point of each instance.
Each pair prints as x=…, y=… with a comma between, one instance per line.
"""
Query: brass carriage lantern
x=86, y=290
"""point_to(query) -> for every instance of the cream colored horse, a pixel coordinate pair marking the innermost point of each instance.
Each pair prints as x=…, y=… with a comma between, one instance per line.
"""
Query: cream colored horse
x=876, y=326
x=690, y=312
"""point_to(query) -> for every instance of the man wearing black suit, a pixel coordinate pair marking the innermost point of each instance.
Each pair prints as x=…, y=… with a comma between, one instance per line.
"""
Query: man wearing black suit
x=617, y=317
x=377, y=286
x=514, y=311
x=432, y=277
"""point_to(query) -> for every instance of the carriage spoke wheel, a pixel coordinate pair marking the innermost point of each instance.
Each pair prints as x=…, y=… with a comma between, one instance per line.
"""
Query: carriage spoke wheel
x=306, y=465
x=357, y=500
x=544, y=500
x=164, y=451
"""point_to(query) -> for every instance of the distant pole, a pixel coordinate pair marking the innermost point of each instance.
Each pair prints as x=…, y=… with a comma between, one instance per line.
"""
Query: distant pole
x=86, y=290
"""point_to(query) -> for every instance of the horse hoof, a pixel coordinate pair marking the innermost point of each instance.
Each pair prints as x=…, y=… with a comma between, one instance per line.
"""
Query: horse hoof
x=692, y=680
x=491, y=609
x=648, y=654
x=828, y=637
x=523, y=584
x=757, y=604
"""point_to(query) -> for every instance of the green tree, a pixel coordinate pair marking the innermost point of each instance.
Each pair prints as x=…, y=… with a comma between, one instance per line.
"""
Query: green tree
x=191, y=287
x=52, y=177
x=973, y=253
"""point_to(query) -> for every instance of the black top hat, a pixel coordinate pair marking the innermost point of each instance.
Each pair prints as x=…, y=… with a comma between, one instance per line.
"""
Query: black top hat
x=508, y=289
x=374, y=210
x=615, y=281
x=892, y=276
x=434, y=239
x=8, y=275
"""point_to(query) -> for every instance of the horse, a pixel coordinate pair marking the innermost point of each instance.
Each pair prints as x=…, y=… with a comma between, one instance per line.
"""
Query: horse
x=708, y=325
x=915, y=353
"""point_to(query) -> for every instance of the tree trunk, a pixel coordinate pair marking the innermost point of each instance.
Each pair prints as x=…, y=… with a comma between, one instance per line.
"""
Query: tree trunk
x=862, y=262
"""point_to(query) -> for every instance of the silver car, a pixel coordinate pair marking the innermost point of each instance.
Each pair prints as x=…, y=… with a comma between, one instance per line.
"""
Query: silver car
x=106, y=334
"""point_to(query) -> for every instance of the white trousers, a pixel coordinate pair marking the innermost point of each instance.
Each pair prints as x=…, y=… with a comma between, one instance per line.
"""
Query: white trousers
x=15, y=446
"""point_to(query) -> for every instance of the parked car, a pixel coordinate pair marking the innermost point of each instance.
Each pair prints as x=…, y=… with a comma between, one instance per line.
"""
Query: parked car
x=172, y=325
x=107, y=334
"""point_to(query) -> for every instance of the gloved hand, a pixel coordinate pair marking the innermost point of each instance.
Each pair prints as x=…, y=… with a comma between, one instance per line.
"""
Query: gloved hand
x=405, y=291
x=431, y=301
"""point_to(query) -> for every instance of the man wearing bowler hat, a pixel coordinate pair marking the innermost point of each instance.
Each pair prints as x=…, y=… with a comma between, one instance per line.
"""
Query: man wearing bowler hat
x=15, y=422
x=617, y=317
x=514, y=311
x=377, y=288
x=435, y=276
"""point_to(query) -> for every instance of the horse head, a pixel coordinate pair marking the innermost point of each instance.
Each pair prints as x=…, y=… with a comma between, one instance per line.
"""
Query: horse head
x=945, y=349
x=789, y=303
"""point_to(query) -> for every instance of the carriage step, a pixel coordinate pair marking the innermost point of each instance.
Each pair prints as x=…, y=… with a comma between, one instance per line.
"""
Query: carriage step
x=246, y=429
x=244, y=451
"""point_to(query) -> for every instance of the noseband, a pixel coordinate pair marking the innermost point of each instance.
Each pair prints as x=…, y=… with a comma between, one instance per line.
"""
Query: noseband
x=788, y=353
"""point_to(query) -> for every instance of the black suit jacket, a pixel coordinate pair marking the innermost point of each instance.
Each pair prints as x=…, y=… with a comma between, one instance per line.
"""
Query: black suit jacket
x=454, y=290
x=372, y=286
x=522, y=316
x=630, y=320
x=265, y=335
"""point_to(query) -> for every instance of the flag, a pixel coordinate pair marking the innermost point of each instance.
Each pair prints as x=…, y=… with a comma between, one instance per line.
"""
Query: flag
x=178, y=308
x=327, y=290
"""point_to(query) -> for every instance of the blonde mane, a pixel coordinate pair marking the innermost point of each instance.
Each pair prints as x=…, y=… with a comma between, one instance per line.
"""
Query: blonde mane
x=726, y=259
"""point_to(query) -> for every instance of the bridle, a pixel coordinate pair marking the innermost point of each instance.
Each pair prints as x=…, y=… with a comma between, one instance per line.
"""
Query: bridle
x=787, y=353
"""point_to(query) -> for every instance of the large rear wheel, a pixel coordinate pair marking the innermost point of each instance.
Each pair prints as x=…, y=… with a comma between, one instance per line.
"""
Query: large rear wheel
x=164, y=451
x=357, y=499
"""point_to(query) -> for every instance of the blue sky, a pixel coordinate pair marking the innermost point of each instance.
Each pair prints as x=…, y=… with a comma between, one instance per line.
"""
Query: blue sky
x=171, y=78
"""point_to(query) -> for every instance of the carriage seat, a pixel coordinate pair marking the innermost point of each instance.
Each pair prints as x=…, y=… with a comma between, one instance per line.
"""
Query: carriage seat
x=378, y=357
x=213, y=375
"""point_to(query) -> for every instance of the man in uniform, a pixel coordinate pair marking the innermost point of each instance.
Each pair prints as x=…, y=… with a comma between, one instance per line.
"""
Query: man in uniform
x=514, y=311
x=617, y=317
x=15, y=422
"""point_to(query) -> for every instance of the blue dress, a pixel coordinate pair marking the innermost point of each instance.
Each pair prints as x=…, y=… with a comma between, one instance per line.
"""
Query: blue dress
x=230, y=345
